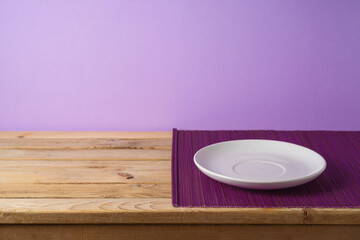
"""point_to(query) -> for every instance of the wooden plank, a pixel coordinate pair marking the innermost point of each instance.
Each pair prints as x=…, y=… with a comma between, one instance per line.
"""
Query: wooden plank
x=121, y=189
x=135, y=211
x=114, y=190
x=57, y=171
x=156, y=211
x=87, y=143
x=179, y=232
x=85, y=154
x=82, y=135
x=333, y=216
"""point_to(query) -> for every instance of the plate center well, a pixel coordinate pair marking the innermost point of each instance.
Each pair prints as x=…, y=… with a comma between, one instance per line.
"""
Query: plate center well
x=254, y=169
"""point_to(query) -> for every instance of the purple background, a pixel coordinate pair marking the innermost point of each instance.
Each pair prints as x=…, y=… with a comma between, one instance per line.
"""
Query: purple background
x=153, y=65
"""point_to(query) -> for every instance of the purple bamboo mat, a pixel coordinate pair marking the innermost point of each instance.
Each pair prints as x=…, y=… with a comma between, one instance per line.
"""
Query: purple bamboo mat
x=338, y=186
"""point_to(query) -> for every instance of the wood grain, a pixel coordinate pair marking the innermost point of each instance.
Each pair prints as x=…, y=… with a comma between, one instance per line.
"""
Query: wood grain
x=157, y=211
x=124, y=178
x=85, y=154
x=333, y=216
x=136, y=211
x=87, y=140
x=179, y=232
x=57, y=171
x=86, y=143
x=58, y=190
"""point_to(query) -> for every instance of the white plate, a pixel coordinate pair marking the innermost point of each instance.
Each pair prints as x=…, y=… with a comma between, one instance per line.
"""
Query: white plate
x=259, y=164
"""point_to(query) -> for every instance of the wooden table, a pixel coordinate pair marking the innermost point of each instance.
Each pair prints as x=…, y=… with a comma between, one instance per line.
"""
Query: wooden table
x=117, y=185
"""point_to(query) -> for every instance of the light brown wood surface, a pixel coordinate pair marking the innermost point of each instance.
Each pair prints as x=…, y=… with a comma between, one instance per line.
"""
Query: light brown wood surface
x=85, y=154
x=97, y=172
x=124, y=178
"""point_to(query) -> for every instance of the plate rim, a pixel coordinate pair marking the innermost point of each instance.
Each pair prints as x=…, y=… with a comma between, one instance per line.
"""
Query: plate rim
x=203, y=170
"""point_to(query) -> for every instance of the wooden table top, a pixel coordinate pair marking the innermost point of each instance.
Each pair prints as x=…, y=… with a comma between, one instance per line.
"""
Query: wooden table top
x=114, y=178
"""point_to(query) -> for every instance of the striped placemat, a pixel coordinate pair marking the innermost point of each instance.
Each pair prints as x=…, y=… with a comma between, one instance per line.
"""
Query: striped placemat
x=337, y=187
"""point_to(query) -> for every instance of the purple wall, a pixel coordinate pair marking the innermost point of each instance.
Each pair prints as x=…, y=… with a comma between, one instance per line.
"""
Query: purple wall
x=153, y=65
